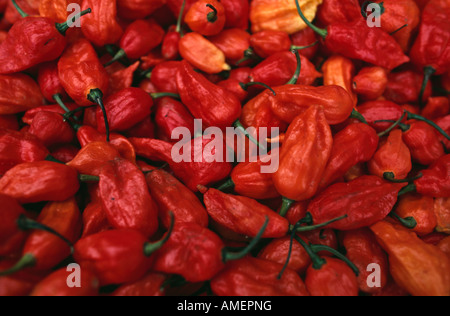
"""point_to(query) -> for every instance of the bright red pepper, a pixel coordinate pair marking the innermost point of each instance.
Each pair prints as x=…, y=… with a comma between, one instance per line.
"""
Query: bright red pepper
x=48, y=79
x=150, y=285
x=370, y=83
x=92, y=157
x=339, y=71
x=267, y=43
x=214, y=105
x=421, y=208
x=375, y=111
x=171, y=114
x=94, y=219
x=435, y=181
x=51, y=128
x=122, y=78
x=40, y=181
x=19, y=93
x=138, y=9
x=206, y=17
x=444, y=123
x=404, y=87
x=233, y=43
x=12, y=237
x=335, y=11
x=442, y=212
x=255, y=277
x=306, y=37
x=125, y=197
x=355, y=144
x=436, y=108
x=55, y=9
x=163, y=76
x=342, y=199
x=236, y=13
x=18, y=284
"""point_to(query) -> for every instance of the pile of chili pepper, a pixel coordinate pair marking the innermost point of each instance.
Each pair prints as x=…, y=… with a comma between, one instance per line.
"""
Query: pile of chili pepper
x=92, y=98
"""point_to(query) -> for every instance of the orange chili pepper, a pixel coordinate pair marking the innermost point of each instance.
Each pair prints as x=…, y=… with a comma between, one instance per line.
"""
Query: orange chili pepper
x=442, y=212
x=421, y=208
x=340, y=71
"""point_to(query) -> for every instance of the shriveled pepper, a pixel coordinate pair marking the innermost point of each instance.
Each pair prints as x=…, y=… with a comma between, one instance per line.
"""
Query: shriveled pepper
x=206, y=17
x=125, y=198
x=419, y=268
x=40, y=181
x=378, y=196
x=18, y=93
x=442, y=212
x=370, y=83
x=304, y=155
x=203, y=54
x=255, y=277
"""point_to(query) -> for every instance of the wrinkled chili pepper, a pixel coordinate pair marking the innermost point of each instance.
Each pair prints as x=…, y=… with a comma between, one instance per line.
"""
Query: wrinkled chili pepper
x=122, y=78
x=163, y=74
x=125, y=198
x=40, y=181
x=421, y=208
x=92, y=157
x=442, y=212
x=49, y=83
x=233, y=43
x=419, y=268
x=404, y=87
x=171, y=114
x=206, y=17
x=376, y=111
x=150, y=285
x=370, y=83
x=436, y=108
x=236, y=13
x=378, y=195
x=51, y=128
x=339, y=71
x=19, y=93
x=435, y=180
x=137, y=9
x=267, y=43
x=335, y=11
x=56, y=9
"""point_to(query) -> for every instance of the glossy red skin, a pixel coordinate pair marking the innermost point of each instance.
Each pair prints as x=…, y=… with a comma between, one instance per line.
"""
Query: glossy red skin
x=435, y=181
x=47, y=249
x=444, y=123
x=236, y=13
x=35, y=39
x=306, y=37
x=356, y=40
x=94, y=220
x=370, y=83
x=115, y=256
x=31, y=114
x=170, y=43
x=234, y=86
x=101, y=27
x=92, y=157
x=192, y=174
x=122, y=78
x=192, y=251
x=141, y=37
x=35, y=182
x=243, y=215
x=171, y=114
x=196, y=17
x=380, y=110
x=125, y=198
x=172, y=196
x=346, y=199
x=150, y=285
x=145, y=129
x=421, y=208
x=363, y=249
x=233, y=43
x=424, y=143
x=51, y=129
x=241, y=74
x=17, y=148
x=432, y=47
x=404, y=87
x=48, y=80
x=214, y=105
x=11, y=237
x=325, y=237
x=19, y=93
x=65, y=153
x=297, y=212
x=279, y=68
x=355, y=144
x=436, y=108
x=256, y=277
x=9, y=122
x=334, y=278
x=336, y=11
x=137, y=9
x=163, y=76
x=267, y=43
x=125, y=109
x=56, y=285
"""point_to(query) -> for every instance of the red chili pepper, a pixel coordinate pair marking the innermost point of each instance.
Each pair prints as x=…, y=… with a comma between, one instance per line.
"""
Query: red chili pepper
x=122, y=78
x=49, y=83
x=436, y=108
x=421, y=208
x=349, y=39
x=435, y=181
x=137, y=9
x=214, y=105
x=306, y=38
x=172, y=196
x=19, y=93
x=56, y=285
x=29, y=115
x=355, y=144
x=18, y=284
x=51, y=128
x=12, y=236
x=206, y=17
x=17, y=148
x=55, y=9
x=251, y=277
x=267, y=43
x=150, y=285
x=236, y=13
x=341, y=199
x=9, y=122
x=339, y=71
x=233, y=43
x=125, y=197
x=163, y=76
x=139, y=39
x=94, y=220
x=363, y=250
x=375, y=111
x=101, y=26
x=171, y=114
x=117, y=256
x=444, y=123
x=404, y=87
x=335, y=11
x=370, y=83
x=92, y=157
x=442, y=212
x=40, y=181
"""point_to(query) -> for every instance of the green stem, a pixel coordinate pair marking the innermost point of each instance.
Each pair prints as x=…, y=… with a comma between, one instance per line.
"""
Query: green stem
x=19, y=9
x=25, y=223
x=356, y=115
x=322, y=32
x=96, y=96
x=212, y=16
x=63, y=27
x=402, y=126
x=317, y=261
x=408, y=222
x=315, y=227
x=88, y=178
x=249, y=54
x=412, y=116
x=26, y=261
x=227, y=185
x=319, y=248
x=164, y=94
x=428, y=73
x=285, y=207
x=390, y=129
x=118, y=56
x=408, y=189
x=57, y=98
x=180, y=17
x=291, y=243
x=229, y=256
x=150, y=248
x=238, y=125
x=390, y=176
x=296, y=75
x=304, y=47
x=53, y=159
x=398, y=30
x=245, y=86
